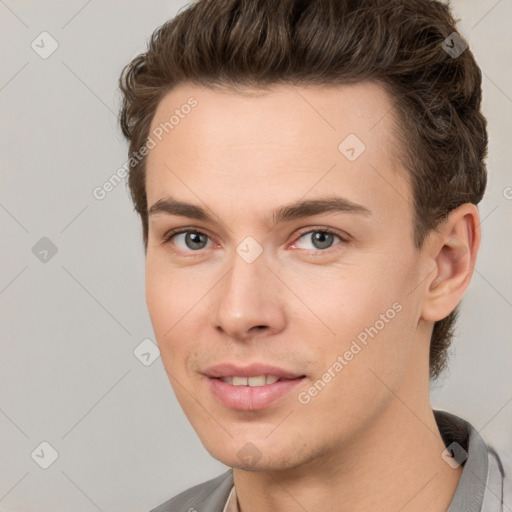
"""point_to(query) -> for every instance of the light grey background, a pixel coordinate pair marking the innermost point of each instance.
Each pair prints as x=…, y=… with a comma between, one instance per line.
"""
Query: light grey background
x=70, y=324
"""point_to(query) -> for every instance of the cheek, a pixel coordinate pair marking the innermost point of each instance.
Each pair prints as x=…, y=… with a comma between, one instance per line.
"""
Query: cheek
x=167, y=308
x=360, y=369
x=350, y=297
x=158, y=297
x=173, y=303
x=369, y=308
x=170, y=294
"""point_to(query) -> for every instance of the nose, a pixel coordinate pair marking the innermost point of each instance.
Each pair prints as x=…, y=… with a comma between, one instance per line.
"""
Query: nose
x=248, y=301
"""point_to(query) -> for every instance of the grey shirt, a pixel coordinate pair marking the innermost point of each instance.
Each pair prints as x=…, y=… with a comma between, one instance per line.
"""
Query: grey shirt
x=485, y=484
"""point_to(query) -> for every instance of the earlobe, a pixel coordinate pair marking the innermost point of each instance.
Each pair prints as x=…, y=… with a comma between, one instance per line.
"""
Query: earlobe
x=454, y=249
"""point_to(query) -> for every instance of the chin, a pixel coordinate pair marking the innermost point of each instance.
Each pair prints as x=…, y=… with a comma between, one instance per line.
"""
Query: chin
x=248, y=456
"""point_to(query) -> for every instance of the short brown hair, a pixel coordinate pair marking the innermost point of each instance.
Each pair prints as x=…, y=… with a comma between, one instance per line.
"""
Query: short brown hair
x=259, y=43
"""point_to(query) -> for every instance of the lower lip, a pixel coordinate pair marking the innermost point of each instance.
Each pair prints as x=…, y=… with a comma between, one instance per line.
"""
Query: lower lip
x=251, y=398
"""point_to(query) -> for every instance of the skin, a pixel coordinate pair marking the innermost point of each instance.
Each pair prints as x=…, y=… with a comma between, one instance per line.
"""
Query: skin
x=368, y=440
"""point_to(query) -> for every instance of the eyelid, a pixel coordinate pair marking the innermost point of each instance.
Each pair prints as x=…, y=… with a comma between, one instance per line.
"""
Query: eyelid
x=187, y=229
x=344, y=237
x=324, y=229
x=176, y=231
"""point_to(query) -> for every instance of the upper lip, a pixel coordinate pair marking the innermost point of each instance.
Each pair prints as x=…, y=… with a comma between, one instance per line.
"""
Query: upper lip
x=252, y=370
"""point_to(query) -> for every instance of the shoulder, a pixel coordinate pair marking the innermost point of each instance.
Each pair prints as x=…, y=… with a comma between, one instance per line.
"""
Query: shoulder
x=209, y=496
x=499, y=481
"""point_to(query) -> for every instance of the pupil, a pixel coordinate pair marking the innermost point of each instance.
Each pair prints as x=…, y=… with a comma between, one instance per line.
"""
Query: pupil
x=322, y=240
x=194, y=239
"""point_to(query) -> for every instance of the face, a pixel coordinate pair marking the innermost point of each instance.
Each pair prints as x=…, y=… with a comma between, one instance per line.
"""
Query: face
x=280, y=246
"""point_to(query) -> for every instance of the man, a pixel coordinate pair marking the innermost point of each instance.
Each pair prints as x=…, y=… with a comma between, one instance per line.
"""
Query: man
x=307, y=175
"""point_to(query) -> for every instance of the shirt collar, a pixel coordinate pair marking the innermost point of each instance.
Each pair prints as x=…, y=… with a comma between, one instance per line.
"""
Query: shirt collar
x=462, y=439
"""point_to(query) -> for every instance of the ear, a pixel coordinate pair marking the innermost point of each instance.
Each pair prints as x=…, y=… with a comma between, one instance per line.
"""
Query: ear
x=452, y=250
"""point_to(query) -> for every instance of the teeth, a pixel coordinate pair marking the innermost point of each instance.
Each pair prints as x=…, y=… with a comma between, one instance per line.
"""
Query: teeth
x=256, y=381
x=259, y=380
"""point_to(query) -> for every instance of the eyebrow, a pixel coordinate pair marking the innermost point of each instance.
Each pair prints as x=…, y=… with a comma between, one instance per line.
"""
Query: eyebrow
x=297, y=210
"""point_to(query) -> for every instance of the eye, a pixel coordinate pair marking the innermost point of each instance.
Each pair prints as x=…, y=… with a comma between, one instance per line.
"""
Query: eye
x=320, y=239
x=188, y=241
x=194, y=241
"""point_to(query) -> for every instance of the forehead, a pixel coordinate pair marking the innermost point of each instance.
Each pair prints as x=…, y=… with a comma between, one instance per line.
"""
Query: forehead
x=287, y=111
x=264, y=138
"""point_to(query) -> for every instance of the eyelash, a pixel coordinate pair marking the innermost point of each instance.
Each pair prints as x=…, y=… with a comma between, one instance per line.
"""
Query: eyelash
x=344, y=238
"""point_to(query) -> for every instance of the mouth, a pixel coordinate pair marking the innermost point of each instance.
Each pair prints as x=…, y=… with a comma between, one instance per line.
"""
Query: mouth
x=246, y=397
x=251, y=388
x=253, y=381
